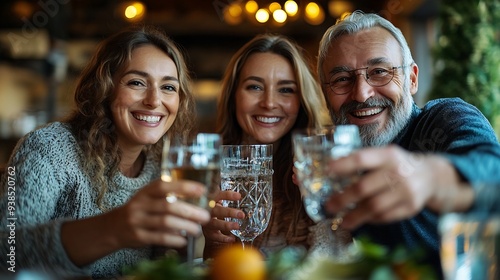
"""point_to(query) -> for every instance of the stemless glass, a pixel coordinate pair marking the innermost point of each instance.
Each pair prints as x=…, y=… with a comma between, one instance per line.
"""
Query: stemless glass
x=196, y=159
x=248, y=169
x=313, y=149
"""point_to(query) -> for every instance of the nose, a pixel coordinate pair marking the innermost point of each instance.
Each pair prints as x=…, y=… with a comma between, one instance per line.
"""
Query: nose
x=152, y=98
x=361, y=90
x=268, y=99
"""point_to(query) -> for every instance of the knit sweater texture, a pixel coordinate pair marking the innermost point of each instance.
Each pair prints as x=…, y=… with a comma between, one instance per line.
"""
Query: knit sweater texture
x=50, y=188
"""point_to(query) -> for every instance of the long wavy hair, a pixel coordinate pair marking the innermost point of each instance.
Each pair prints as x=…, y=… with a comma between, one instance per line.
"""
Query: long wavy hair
x=313, y=113
x=92, y=121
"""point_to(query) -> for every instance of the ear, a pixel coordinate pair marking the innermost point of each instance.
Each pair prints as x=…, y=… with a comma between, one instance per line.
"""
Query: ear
x=413, y=78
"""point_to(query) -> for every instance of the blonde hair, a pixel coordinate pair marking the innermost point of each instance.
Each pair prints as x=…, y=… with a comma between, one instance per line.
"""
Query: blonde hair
x=313, y=113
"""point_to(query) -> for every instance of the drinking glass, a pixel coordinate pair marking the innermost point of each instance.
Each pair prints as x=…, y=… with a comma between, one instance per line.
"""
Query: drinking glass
x=196, y=159
x=313, y=149
x=470, y=241
x=248, y=169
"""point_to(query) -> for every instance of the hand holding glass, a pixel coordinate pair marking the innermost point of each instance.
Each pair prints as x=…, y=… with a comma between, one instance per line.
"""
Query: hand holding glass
x=198, y=160
x=313, y=149
x=248, y=169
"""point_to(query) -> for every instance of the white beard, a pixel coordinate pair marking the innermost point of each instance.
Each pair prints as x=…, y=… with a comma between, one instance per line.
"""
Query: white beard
x=371, y=134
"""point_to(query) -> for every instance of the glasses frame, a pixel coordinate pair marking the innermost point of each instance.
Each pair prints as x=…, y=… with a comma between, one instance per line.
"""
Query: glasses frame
x=365, y=75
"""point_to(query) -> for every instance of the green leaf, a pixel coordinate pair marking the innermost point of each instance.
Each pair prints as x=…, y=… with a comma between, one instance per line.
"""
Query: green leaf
x=169, y=267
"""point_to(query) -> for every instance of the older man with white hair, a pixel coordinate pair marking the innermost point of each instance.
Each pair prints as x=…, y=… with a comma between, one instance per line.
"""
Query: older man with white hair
x=417, y=162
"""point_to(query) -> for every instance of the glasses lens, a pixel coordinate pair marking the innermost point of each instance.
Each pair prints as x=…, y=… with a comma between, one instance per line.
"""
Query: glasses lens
x=342, y=82
x=379, y=76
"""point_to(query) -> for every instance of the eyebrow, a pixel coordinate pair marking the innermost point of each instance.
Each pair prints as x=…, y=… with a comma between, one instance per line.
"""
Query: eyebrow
x=287, y=82
x=145, y=74
x=281, y=82
x=254, y=78
x=370, y=62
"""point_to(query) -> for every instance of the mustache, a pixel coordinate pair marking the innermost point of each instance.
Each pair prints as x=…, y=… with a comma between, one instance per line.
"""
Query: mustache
x=370, y=103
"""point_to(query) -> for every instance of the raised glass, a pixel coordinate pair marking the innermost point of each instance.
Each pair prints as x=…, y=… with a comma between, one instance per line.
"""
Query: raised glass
x=313, y=149
x=248, y=169
x=470, y=241
x=196, y=159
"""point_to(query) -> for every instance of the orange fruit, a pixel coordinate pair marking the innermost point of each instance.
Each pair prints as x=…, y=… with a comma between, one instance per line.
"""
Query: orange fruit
x=232, y=263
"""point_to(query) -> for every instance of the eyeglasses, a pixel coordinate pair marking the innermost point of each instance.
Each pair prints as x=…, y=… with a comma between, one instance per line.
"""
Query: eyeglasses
x=343, y=82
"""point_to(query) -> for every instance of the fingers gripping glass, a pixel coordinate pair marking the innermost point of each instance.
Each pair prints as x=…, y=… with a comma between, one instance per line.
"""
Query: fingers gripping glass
x=342, y=82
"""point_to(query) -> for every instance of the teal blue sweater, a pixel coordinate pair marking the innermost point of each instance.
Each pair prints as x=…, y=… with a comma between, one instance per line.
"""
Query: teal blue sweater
x=51, y=188
x=461, y=133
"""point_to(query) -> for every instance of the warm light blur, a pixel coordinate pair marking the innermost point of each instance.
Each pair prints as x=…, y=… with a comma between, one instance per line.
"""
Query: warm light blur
x=130, y=12
x=232, y=14
x=344, y=15
x=134, y=11
x=279, y=16
x=23, y=9
x=339, y=7
x=291, y=8
x=274, y=6
x=278, y=11
x=251, y=7
x=206, y=89
x=235, y=10
x=312, y=10
x=314, y=14
x=262, y=15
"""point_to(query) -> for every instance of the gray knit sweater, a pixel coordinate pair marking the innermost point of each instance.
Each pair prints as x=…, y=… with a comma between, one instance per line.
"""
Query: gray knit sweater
x=49, y=187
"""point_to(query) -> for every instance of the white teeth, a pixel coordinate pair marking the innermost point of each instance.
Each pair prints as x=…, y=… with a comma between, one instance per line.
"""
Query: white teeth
x=366, y=113
x=148, y=119
x=268, y=120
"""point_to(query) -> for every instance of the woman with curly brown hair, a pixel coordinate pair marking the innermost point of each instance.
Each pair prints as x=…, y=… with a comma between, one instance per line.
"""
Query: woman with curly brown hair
x=88, y=198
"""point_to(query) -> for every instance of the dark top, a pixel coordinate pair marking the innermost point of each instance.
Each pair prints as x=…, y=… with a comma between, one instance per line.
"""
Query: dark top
x=462, y=134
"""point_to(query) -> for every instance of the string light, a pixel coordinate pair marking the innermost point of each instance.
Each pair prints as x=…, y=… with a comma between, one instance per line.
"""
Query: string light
x=280, y=12
x=291, y=8
x=232, y=14
x=251, y=7
x=338, y=7
x=274, y=6
x=279, y=16
x=134, y=11
x=314, y=14
x=262, y=15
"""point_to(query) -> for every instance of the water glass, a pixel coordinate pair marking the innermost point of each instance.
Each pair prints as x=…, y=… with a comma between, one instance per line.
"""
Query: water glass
x=470, y=242
x=248, y=169
x=314, y=148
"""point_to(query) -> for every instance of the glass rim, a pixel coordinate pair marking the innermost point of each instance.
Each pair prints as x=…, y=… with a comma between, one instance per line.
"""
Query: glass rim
x=307, y=130
x=247, y=145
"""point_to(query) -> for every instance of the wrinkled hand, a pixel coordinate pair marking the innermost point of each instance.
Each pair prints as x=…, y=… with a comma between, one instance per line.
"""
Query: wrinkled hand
x=218, y=230
x=147, y=218
x=395, y=185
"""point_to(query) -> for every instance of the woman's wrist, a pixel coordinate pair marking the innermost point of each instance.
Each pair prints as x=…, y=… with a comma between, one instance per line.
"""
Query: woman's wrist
x=88, y=240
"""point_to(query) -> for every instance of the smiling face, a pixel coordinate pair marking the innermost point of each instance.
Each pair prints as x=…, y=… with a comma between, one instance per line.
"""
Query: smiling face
x=267, y=98
x=380, y=112
x=146, y=97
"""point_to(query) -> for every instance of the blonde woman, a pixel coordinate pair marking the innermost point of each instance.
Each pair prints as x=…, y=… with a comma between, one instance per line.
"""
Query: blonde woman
x=268, y=91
